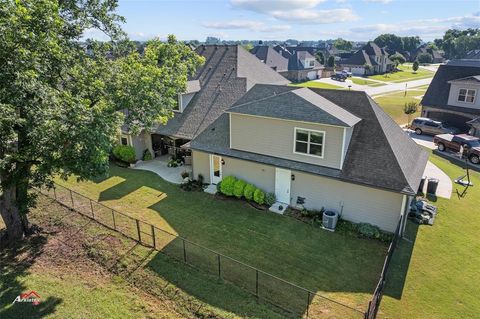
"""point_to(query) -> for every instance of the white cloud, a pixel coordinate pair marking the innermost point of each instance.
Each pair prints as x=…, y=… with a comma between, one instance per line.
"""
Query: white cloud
x=297, y=11
x=316, y=16
x=378, y=1
x=245, y=25
x=267, y=6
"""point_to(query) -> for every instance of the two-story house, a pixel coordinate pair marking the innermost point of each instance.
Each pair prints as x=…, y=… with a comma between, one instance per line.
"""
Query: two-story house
x=370, y=59
x=452, y=96
x=337, y=150
x=228, y=73
x=297, y=65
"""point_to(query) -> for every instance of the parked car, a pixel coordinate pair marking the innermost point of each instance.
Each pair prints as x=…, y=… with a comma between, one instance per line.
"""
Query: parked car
x=347, y=73
x=467, y=144
x=339, y=77
x=423, y=125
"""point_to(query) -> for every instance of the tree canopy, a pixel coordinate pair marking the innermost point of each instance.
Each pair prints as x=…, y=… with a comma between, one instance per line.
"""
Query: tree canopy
x=342, y=44
x=457, y=43
x=396, y=43
x=62, y=101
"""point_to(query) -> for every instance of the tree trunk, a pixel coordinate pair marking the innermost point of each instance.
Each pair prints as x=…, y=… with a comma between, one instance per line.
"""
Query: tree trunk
x=15, y=221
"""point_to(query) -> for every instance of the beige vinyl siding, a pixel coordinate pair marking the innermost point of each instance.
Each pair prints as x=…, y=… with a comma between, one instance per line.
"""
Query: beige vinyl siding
x=262, y=176
x=361, y=204
x=275, y=137
x=201, y=165
x=138, y=143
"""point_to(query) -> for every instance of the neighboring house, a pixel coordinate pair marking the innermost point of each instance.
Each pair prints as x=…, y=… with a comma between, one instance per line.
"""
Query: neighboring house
x=473, y=55
x=371, y=59
x=270, y=57
x=228, y=73
x=474, y=127
x=336, y=149
x=437, y=57
x=295, y=64
x=452, y=96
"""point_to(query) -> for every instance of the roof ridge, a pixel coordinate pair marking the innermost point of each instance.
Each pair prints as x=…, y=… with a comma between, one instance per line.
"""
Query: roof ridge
x=263, y=99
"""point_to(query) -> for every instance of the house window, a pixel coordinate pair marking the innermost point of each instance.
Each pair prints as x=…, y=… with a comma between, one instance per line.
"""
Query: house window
x=312, y=63
x=309, y=142
x=466, y=95
x=177, y=106
x=124, y=140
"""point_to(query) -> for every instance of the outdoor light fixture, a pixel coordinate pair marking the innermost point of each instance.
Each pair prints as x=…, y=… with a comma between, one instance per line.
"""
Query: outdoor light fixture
x=223, y=161
x=293, y=177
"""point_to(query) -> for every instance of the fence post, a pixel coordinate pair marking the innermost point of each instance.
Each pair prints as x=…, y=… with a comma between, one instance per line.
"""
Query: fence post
x=138, y=230
x=71, y=197
x=91, y=207
x=113, y=218
x=308, y=303
x=54, y=193
x=219, y=267
x=184, y=251
x=256, y=282
x=153, y=236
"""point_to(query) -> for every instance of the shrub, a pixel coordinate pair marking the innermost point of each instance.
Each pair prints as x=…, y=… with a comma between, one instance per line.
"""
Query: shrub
x=200, y=180
x=185, y=174
x=124, y=153
x=270, y=199
x=239, y=188
x=219, y=187
x=259, y=196
x=228, y=184
x=369, y=230
x=248, y=191
x=147, y=156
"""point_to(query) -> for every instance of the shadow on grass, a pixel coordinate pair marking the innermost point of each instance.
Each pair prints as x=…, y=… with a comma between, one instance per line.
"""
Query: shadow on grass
x=400, y=263
x=15, y=260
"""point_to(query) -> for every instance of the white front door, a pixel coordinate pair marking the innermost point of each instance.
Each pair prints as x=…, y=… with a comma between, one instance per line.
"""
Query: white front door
x=282, y=185
x=215, y=169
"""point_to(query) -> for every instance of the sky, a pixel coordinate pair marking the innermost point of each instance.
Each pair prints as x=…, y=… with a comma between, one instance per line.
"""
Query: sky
x=357, y=20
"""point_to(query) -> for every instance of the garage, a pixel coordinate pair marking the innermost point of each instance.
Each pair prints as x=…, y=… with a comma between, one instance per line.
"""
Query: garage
x=358, y=70
x=455, y=120
x=312, y=75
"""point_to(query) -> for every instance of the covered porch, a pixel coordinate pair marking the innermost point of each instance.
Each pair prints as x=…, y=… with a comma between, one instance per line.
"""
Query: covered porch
x=164, y=146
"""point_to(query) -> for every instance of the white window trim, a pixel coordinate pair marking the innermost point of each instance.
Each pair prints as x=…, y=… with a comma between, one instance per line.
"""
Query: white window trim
x=310, y=130
x=466, y=94
x=128, y=137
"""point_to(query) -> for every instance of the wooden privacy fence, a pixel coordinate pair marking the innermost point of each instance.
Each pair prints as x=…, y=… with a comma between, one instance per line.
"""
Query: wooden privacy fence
x=289, y=297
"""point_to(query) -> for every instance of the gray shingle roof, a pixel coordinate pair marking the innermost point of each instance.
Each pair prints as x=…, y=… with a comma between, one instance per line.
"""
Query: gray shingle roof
x=228, y=73
x=295, y=61
x=270, y=57
x=298, y=104
x=439, y=89
x=363, y=55
x=380, y=154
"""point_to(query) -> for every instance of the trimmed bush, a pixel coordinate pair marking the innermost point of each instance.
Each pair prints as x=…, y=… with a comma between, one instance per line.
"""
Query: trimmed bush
x=147, y=156
x=248, y=191
x=124, y=153
x=369, y=230
x=270, y=199
x=239, y=188
x=228, y=185
x=259, y=196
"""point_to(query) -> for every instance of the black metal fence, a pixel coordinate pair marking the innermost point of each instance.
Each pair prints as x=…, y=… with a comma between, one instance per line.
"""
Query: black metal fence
x=285, y=295
x=374, y=304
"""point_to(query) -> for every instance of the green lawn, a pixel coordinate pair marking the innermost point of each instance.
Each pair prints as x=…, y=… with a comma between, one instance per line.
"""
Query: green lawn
x=362, y=81
x=406, y=74
x=315, y=84
x=393, y=103
x=280, y=245
x=443, y=277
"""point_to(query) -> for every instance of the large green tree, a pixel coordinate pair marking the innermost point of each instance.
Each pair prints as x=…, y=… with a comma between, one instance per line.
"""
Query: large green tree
x=62, y=101
x=456, y=43
x=396, y=43
x=342, y=44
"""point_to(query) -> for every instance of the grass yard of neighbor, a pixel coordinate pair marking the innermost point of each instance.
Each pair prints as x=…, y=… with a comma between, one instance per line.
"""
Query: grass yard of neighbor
x=393, y=103
x=363, y=81
x=342, y=267
x=406, y=74
x=316, y=84
x=438, y=276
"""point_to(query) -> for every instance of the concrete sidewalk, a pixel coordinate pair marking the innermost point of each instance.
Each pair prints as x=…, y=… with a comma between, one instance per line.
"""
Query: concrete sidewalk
x=444, y=189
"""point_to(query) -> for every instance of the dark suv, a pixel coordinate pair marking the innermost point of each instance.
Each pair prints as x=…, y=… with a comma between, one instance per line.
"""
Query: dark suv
x=423, y=125
x=339, y=77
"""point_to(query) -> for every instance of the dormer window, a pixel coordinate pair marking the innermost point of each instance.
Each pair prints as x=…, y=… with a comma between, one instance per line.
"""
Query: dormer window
x=309, y=142
x=311, y=63
x=466, y=95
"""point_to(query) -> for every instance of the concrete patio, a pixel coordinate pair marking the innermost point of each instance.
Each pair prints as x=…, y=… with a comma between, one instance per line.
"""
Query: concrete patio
x=444, y=189
x=159, y=166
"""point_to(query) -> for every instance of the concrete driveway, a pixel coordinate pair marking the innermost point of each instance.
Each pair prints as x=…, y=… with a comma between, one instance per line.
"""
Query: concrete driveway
x=444, y=189
x=424, y=140
x=377, y=90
